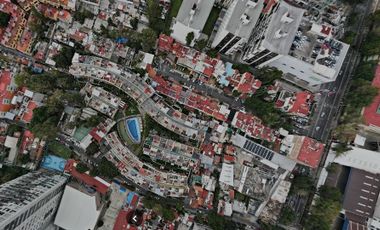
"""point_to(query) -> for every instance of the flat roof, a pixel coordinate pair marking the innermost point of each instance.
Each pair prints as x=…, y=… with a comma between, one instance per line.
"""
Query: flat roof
x=201, y=13
x=285, y=21
x=263, y=152
x=227, y=174
x=361, y=193
x=311, y=152
x=77, y=210
x=235, y=24
x=359, y=158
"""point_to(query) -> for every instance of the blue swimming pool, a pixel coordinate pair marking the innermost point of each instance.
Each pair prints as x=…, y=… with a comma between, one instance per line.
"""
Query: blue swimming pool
x=133, y=129
x=52, y=162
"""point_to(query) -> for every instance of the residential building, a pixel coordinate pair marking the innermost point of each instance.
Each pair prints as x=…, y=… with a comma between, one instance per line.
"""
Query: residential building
x=304, y=50
x=237, y=25
x=7, y=89
x=296, y=104
x=172, y=152
x=102, y=100
x=189, y=98
x=267, y=156
x=162, y=183
x=30, y=201
x=302, y=149
x=16, y=24
x=80, y=208
x=191, y=18
x=371, y=113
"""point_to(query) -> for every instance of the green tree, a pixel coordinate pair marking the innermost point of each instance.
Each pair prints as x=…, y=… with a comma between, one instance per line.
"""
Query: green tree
x=81, y=15
x=44, y=123
x=201, y=44
x=134, y=23
x=4, y=19
x=288, y=216
x=154, y=11
x=64, y=57
x=8, y=173
x=21, y=79
x=92, y=149
x=326, y=209
x=302, y=185
x=82, y=167
x=189, y=38
x=212, y=53
x=267, y=75
x=148, y=39
x=341, y=148
x=107, y=169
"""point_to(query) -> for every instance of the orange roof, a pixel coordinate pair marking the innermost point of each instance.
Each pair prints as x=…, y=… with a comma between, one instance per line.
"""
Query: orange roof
x=371, y=113
x=301, y=104
x=5, y=94
x=311, y=152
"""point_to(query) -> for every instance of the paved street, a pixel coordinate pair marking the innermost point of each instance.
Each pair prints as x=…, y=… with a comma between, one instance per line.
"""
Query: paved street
x=328, y=108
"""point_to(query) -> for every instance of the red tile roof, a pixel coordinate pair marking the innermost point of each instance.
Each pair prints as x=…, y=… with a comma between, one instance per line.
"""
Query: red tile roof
x=370, y=114
x=301, y=103
x=5, y=94
x=28, y=114
x=165, y=43
x=311, y=152
x=85, y=178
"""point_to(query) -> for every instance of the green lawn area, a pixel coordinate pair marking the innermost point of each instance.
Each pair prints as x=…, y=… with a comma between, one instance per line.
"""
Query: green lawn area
x=175, y=5
x=59, y=149
x=121, y=129
x=209, y=26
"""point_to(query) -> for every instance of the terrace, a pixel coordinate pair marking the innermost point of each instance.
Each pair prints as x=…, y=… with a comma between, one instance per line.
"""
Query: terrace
x=139, y=91
x=172, y=152
x=146, y=176
x=189, y=98
x=102, y=100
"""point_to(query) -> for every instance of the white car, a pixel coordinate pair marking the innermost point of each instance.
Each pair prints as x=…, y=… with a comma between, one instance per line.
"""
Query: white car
x=317, y=128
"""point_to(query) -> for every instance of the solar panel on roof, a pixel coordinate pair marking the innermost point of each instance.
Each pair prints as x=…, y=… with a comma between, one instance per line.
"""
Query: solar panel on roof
x=258, y=150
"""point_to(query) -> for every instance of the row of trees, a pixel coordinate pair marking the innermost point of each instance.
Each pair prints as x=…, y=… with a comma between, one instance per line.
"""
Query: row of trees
x=326, y=209
x=361, y=92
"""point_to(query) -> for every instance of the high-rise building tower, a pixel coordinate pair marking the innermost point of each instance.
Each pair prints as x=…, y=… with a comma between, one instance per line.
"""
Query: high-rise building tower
x=30, y=202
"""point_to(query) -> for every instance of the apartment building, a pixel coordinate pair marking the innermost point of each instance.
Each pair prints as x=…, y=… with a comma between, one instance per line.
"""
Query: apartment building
x=30, y=202
x=191, y=18
x=237, y=25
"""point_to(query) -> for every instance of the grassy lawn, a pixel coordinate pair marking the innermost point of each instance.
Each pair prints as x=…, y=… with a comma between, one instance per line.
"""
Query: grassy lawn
x=60, y=150
x=176, y=4
x=121, y=129
x=209, y=26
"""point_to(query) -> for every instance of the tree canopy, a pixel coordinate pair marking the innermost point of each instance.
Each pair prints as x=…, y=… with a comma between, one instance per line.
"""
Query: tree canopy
x=189, y=38
x=148, y=39
x=64, y=57
x=106, y=169
x=4, y=19
x=326, y=209
x=154, y=11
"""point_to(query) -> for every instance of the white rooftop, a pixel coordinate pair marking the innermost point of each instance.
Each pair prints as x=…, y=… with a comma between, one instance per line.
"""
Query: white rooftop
x=227, y=174
x=359, y=158
x=77, y=211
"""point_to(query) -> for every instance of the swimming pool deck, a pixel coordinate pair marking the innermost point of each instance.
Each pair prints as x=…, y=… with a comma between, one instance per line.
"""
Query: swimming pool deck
x=137, y=125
